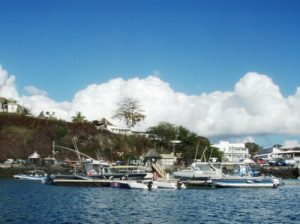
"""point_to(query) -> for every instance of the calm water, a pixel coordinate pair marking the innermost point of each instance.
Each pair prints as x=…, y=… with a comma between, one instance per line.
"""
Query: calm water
x=33, y=202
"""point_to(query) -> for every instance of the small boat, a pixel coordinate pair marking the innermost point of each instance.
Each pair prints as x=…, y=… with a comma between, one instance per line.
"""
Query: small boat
x=129, y=184
x=198, y=183
x=245, y=183
x=31, y=175
x=75, y=181
x=166, y=185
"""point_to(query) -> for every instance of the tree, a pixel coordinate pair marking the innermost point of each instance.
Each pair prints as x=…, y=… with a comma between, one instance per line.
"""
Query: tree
x=78, y=118
x=23, y=110
x=253, y=148
x=130, y=111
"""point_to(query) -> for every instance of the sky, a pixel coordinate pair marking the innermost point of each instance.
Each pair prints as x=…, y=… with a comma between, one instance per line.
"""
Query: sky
x=227, y=70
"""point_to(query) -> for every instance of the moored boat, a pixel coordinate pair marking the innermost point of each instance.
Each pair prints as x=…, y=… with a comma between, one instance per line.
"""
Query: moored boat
x=31, y=175
x=130, y=184
x=245, y=183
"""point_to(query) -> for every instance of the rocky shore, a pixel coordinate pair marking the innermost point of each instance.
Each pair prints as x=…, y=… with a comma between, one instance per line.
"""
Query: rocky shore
x=8, y=172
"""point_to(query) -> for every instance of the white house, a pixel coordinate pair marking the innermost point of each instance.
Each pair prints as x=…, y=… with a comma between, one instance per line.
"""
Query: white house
x=107, y=125
x=233, y=152
x=55, y=113
x=9, y=107
x=291, y=155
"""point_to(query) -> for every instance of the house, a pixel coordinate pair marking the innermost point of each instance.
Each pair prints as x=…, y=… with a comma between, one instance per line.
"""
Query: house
x=232, y=152
x=8, y=106
x=168, y=160
x=34, y=158
x=107, y=125
x=54, y=113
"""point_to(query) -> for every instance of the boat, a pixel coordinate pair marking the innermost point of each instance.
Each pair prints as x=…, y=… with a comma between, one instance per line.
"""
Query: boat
x=199, y=183
x=130, y=184
x=31, y=175
x=76, y=181
x=168, y=185
x=245, y=183
x=103, y=170
x=199, y=170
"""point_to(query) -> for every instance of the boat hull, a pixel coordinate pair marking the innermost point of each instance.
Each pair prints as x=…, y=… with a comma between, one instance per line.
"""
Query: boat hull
x=244, y=183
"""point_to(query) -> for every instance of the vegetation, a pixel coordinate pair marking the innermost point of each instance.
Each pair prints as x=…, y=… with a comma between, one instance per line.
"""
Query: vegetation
x=189, y=145
x=253, y=148
x=79, y=118
x=130, y=111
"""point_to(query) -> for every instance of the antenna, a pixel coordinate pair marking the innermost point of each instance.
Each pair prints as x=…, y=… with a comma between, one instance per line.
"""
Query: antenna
x=196, y=151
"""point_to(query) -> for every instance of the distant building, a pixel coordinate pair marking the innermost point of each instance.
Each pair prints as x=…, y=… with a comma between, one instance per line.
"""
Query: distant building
x=291, y=155
x=233, y=152
x=168, y=160
x=54, y=113
x=34, y=158
x=107, y=125
x=8, y=106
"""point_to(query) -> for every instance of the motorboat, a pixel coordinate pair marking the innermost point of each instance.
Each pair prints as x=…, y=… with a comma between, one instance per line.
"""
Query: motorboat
x=199, y=170
x=245, y=183
x=103, y=170
x=130, y=184
x=31, y=175
x=198, y=183
x=167, y=185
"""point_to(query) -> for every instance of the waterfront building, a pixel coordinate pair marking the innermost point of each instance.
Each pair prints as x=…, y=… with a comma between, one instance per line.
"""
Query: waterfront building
x=290, y=155
x=168, y=160
x=232, y=152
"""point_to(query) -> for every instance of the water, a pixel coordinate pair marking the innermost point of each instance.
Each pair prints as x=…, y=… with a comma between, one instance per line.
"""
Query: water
x=33, y=202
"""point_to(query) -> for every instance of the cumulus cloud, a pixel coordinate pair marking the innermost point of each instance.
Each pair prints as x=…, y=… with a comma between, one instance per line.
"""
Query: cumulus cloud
x=32, y=90
x=256, y=106
x=7, y=85
x=291, y=143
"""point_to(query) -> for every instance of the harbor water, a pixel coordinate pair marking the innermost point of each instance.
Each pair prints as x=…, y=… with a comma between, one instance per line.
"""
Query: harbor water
x=33, y=202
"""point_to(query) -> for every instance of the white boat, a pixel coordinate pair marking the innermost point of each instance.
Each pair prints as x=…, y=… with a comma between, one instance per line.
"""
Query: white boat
x=245, y=183
x=130, y=184
x=199, y=170
x=32, y=175
x=165, y=184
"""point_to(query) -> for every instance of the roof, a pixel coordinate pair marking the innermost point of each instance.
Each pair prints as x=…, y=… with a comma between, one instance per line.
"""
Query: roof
x=152, y=154
x=167, y=156
x=34, y=155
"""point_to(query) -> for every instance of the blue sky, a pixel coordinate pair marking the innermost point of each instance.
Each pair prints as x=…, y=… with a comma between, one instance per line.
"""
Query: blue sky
x=196, y=46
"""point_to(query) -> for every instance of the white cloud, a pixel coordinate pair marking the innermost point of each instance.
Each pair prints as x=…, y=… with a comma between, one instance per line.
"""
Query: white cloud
x=32, y=90
x=7, y=85
x=256, y=106
x=291, y=143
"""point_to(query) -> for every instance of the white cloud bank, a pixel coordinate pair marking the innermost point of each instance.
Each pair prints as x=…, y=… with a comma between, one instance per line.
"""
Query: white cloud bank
x=256, y=106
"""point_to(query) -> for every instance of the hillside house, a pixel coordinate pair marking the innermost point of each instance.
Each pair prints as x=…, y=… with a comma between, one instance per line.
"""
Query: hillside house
x=8, y=106
x=233, y=152
x=54, y=113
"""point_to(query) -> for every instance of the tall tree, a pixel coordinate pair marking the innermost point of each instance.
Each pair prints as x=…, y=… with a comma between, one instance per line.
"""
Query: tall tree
x=253, y=148
x=79, y=118
x=130, y=111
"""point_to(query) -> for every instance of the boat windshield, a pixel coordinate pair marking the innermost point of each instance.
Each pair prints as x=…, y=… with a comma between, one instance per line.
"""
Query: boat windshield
x=204, y=167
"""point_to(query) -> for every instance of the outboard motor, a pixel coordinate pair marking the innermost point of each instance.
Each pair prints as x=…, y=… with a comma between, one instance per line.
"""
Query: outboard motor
x=149, y=185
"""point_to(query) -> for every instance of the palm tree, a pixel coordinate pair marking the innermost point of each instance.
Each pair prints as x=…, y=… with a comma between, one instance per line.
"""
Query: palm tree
x=79, y=118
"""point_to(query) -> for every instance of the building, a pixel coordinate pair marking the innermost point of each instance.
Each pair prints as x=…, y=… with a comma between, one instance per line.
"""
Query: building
x=168, y=160
x=232, y=152
x=107, y=125
x=290, y=155
x=54, y=113
x=8, y=106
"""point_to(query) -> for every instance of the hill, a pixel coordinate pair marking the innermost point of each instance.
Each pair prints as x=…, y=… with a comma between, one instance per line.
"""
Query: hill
x=21, y=135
